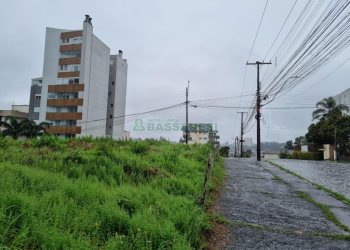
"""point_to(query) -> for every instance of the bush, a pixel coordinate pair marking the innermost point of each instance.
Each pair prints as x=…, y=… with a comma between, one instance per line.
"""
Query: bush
x=49, y=141
x=224, y=151
x=316, y=156
x=285, y=155
x=139, y=147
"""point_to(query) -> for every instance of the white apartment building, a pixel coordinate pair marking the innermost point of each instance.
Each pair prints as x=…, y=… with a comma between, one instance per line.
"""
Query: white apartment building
x=343, y=98
x=199, y=133
x=83, y=87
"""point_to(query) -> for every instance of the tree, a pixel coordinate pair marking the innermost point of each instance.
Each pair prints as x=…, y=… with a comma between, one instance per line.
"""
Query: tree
x=325, y=106
x=289, y=145
x=323, y=132
x=30, y=129
x=224, y=151
x=14, y=128
x=300, y=141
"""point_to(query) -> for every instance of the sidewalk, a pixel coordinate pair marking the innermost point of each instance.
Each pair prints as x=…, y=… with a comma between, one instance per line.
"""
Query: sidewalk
x=266, y=211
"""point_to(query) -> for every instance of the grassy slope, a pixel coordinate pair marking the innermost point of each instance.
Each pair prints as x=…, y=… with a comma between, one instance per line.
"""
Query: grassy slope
x=88, y=194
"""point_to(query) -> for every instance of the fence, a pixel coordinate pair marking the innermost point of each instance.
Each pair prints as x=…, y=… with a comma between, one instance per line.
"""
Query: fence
x=210, y=165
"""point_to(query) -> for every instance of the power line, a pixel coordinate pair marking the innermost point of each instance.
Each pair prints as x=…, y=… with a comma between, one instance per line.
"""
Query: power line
x=136, y=114
x=328, y=38
x=221, y=98
x=279, y=32
x=325, y=77
x=247, y=107
x=257, y=32
x=250, y=53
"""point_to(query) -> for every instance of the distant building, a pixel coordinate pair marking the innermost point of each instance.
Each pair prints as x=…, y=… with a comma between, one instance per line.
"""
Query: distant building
x=14, y=113
x=343, y=98
x=248, y=142
x=21, y=108
x=328, y=152
x=83, y=87
x=271, y=154
x=199, y=133
x=34, y=99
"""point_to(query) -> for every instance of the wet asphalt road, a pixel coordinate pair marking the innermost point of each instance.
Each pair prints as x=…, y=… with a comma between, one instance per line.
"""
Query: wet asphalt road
x=334, y=176
x=264, y=210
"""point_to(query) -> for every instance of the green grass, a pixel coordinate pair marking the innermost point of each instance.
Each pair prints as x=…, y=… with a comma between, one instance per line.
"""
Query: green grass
x=102, y=194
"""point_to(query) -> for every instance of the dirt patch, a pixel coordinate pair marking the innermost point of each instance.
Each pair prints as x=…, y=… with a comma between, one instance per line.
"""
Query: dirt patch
x=218, y=236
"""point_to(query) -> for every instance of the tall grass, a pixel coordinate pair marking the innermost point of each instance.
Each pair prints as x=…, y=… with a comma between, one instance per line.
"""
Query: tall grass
x=102, y=194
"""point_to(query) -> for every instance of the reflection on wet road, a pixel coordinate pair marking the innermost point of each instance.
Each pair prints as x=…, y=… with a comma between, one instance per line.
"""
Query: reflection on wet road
x=334, y=176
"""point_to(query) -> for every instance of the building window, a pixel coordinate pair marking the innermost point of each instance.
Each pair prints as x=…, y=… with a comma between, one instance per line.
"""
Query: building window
x=111, y=105
x=109, y=93
x=112, y=83
x=76, y=67
x=37, y=96
x=77, y=40
x=65, y=40
x=63, y=67
x=72, y=109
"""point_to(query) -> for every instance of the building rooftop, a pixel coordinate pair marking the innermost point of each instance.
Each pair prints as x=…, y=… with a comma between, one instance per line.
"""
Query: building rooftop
x=13, y=113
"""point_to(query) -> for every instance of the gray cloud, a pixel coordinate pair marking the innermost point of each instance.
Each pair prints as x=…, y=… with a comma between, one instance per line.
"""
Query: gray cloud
x=166, y=44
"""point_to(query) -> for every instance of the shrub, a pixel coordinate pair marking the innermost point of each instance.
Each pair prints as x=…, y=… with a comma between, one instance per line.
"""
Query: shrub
x=284, y=154
x=74, y=158
x=139, y=147
x=306, y=155
x=224, y=151
x=48, y=141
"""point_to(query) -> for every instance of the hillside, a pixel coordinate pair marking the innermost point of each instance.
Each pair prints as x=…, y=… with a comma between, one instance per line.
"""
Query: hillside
x=89, y=194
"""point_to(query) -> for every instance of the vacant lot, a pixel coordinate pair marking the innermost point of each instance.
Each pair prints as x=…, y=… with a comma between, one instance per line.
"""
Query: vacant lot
x=89, y=194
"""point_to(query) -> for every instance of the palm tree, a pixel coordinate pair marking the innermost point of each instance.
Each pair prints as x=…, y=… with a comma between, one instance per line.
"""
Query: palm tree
x=14, y=128
x=30, y=129
x=327, y=105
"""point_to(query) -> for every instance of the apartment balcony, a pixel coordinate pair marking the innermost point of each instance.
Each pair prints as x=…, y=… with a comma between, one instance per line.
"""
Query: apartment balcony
x=64, y=74
x=63, y=130
x=70, y=47
x=65, y=88
x=71, y=34
x=69, y=61
x=54, y=116
x=64, y=102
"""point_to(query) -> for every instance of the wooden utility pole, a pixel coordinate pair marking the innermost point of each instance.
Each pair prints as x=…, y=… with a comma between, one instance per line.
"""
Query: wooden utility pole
x=258, y=107
x=241, y=132
x=187, y=89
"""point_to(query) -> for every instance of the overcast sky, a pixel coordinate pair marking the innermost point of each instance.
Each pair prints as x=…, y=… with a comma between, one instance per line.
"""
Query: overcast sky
x=166, y=44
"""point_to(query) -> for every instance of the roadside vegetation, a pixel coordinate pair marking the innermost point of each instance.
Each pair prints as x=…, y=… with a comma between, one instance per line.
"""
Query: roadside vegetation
x=331, y=126
x=102, y=194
